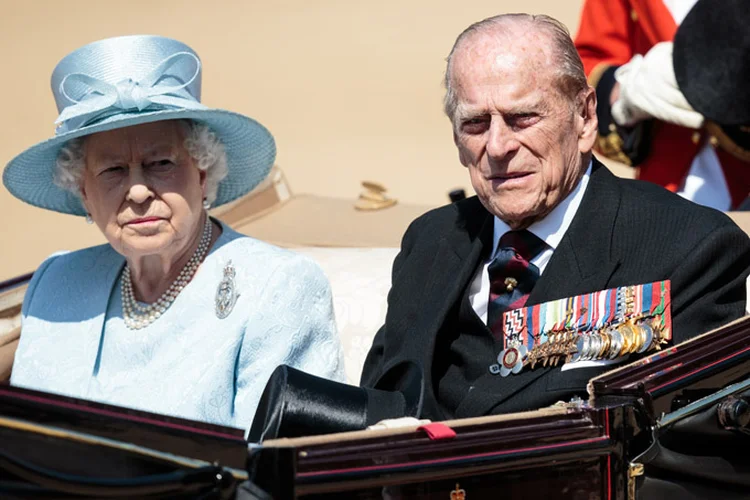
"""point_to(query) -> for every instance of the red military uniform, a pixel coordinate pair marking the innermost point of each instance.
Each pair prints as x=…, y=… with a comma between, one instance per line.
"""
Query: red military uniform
x=613, y=31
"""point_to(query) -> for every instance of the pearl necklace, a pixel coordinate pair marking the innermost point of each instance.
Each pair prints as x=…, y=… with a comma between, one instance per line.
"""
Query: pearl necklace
x=137, y=316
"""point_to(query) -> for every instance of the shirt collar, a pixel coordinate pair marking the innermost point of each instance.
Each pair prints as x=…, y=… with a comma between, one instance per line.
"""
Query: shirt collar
x=552, y=228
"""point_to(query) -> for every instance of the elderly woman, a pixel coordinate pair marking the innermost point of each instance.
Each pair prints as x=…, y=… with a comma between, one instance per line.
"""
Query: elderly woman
x=178, y=314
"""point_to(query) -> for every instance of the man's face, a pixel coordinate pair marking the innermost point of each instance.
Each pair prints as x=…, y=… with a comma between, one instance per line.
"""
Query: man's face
x=520, y=137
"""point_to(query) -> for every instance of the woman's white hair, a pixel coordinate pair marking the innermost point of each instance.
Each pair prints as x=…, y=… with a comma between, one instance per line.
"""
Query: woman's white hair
x=201, y=143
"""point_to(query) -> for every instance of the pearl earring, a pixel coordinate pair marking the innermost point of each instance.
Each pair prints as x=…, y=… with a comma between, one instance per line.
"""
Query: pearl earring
x=206, y=204
x=89, y=220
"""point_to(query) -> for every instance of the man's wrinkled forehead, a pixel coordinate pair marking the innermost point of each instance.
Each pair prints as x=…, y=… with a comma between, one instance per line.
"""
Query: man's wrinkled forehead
x=508, y=47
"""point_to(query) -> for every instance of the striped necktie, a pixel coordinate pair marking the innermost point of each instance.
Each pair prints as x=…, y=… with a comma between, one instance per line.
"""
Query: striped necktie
x=512, y=275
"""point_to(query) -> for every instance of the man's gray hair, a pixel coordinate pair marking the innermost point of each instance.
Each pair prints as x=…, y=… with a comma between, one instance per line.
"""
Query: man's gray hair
x=571, y=76
x=201, y=143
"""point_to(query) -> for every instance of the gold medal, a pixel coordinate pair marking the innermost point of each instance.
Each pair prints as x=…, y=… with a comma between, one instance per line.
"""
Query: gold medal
x=640, y=336
x=531, y=357
x=628, y=338
x=606, y=342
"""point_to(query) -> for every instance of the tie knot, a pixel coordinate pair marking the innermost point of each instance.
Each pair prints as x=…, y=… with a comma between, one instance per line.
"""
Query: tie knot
x=525, y=243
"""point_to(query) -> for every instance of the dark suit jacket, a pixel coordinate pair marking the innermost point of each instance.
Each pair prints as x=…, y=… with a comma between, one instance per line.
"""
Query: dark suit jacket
x=625, y=233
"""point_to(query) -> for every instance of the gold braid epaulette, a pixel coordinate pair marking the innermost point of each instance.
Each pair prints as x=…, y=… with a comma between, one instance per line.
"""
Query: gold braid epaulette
x=726, y=143
x=610, y=145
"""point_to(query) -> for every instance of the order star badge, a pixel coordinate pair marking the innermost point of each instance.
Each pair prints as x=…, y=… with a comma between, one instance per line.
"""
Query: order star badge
x=226, y=293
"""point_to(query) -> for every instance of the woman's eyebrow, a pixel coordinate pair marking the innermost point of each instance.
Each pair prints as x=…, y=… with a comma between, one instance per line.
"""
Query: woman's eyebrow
x=160, y=149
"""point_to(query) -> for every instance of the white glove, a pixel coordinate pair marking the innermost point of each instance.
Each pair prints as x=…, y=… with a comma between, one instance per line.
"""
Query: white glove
x=397, y=423
x=648, y=88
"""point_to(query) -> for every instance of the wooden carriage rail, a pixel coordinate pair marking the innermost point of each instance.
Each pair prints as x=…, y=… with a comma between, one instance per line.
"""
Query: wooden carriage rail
x=11, y=300
x=125, y=447
x=167, y=434
x=504, y=439
x=11, y=295
x=14, y=282
x=494, y=447
x=408, y=431
x=41, y=461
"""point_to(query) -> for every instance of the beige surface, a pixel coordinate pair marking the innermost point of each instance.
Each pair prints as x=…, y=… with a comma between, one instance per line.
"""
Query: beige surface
x=351, y=89
x=309, y=220
x=742, y=219
x=273, y=213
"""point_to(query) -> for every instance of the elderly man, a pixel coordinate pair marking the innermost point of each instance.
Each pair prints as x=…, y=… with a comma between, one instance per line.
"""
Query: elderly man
x=524, y=121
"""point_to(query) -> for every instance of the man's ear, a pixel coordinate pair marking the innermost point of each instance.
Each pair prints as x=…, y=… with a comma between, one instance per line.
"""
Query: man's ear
x=589, y=123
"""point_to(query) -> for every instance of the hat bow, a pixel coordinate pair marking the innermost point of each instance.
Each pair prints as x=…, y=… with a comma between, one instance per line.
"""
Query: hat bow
x=103, y=99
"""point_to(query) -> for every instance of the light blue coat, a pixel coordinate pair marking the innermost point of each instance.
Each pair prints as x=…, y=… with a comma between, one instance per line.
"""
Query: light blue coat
x=188, y=363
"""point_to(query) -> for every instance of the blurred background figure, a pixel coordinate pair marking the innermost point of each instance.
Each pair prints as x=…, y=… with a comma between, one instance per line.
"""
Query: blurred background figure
x=646, y=118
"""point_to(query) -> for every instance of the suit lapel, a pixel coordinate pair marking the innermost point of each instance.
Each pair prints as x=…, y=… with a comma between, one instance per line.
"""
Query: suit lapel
x=456, y=259
x=582, y=263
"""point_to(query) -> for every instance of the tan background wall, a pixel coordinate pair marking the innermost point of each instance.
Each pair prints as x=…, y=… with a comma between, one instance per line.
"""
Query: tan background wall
x=351, y=89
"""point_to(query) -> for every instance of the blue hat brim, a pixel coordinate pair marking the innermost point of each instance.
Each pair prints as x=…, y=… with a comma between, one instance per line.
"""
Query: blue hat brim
x=250, y=149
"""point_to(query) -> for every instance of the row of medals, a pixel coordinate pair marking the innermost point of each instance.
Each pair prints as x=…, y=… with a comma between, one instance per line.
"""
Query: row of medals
x=635, y=335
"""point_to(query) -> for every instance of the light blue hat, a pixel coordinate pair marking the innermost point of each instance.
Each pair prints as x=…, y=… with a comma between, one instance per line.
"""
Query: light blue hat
x=130, y=80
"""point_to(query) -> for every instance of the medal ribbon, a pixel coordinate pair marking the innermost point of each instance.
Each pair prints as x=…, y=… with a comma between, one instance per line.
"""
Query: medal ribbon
x=556, y=307
x=538, y=326
x=612, y=305
x=570, y=312
x=530, y=327
x=544, y=313
x=659, y=309
x=594, y=316
x=619, y=306
x=647, y=298
x=602, y=309
x=583, y=319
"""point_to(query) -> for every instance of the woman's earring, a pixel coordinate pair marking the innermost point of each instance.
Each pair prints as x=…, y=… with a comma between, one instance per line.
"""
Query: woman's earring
x=206, y=204
x=89, y=220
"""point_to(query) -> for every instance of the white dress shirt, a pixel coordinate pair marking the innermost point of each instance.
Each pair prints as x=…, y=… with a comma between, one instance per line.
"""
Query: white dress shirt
x=551, y=230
